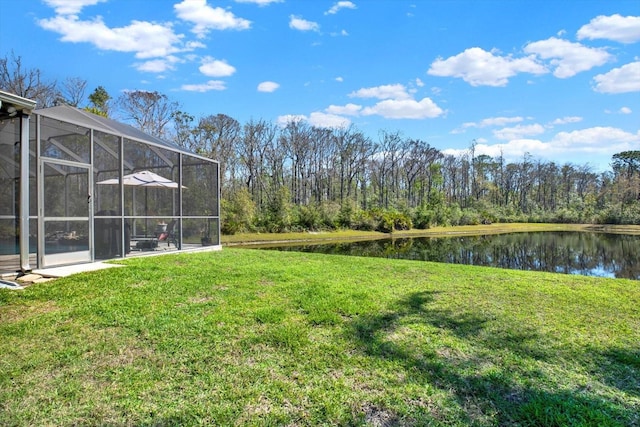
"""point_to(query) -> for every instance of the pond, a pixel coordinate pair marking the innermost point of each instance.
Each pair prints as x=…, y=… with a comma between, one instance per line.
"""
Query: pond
x=585, y=253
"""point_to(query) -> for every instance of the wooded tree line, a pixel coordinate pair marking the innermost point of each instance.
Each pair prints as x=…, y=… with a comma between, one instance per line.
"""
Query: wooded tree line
x=303, y=177
x=300, y=177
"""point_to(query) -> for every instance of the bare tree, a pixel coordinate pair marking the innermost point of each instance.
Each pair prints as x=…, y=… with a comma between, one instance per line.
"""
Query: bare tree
x=217, y=137
x=183, y=132
x=73, y=90
x=150, y=111
x=295, y=139
x=257, y=138
x=385, y=169
x=355, y=151
x=27, y=83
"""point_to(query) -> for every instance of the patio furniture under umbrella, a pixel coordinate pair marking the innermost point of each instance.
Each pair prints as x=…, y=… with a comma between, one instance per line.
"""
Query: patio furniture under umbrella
x=143, y=179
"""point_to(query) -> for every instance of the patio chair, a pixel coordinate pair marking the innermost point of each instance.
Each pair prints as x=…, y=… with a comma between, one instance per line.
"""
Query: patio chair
x=170, y=235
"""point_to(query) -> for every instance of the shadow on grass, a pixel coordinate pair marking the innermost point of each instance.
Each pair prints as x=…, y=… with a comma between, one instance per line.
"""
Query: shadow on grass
x=620, y=368
x=515, y=393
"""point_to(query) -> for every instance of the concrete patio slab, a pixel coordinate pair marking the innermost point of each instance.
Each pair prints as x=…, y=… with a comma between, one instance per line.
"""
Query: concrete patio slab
x=68, y=270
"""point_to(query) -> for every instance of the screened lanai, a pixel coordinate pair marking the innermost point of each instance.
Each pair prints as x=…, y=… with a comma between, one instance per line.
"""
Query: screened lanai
x=98, y=189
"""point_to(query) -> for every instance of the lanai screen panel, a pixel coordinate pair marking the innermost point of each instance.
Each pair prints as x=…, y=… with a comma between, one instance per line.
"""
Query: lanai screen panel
x=106, y=165
x=33, y=192
x=150, y=208
x=151, y=201
x=65, y=151
x=64, y=141
x=33, y=176
x=200, y=204
x=107, y=229
x=9, y=193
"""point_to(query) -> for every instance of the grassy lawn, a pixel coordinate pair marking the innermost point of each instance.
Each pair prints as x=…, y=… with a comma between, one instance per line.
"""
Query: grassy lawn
x=249, y=337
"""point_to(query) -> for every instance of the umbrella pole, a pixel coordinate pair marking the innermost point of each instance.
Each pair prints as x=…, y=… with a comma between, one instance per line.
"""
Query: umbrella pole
x=146, y=212
x=134, y=213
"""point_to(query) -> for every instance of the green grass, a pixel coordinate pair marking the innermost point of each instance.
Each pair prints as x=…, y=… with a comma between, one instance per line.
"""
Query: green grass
x=248, y=337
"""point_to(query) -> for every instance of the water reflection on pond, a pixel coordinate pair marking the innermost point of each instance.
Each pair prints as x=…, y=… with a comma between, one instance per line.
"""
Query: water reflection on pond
x=590, y=254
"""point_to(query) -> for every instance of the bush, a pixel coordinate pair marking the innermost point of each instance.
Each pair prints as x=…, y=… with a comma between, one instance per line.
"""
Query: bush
x=330, y=215
x=391, y=221
x=452, y=216
x=629, y=214
x=385, y=224
x=567, y=216
x=276, y=218
x=364, y=222
x=237, y=212
x=402, y=221
x=469, y=217
x=308, y=218
x=347, y=215
x=422, y=217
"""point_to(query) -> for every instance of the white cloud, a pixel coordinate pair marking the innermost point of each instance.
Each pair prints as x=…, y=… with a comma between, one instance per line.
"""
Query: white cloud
x=457, y=131
x=157, y=65
x=206, y=87
x=268, y=87
x=191, y=46
x=328, y=121
x=419, y=83
x=317, y=119
x=623, y=29
x=518, y=132
x=396, y=103
x=333, y=117
x=343, y=33
x=619, y=80
x=208, y=18
x=590, y=143
x=395, y=91
x=566, y=57
x=284, y=120
x=260, y=3
x=595, y=140
x=340, y=5
x=146, y=39
x=70, y=7
x=404, y=109
x=212, y=67
x=481, y=68
x=493, y=121
x=511, y=151
x=345, y=110
x=625, y=110
x=339, y=79
x=566, y=120
x=300, y=24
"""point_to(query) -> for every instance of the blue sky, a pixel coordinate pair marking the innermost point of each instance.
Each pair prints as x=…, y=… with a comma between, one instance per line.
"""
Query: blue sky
x=559, y=80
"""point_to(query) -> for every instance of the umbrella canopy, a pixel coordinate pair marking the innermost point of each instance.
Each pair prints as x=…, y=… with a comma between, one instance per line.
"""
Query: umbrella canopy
x=143, y=179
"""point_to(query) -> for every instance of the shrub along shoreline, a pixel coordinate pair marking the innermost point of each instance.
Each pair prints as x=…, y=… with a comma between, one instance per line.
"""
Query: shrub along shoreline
x=249, y=337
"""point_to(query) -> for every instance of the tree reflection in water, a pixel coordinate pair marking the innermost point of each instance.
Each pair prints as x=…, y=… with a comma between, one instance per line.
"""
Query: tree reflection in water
x=589, y=254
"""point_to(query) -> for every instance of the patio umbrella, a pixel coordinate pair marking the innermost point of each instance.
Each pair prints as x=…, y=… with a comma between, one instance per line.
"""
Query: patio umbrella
x=143, y=179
